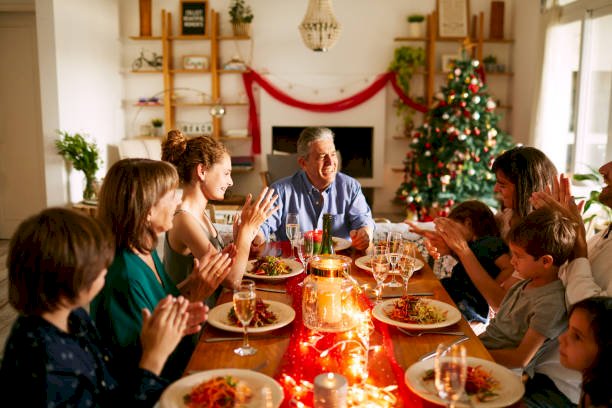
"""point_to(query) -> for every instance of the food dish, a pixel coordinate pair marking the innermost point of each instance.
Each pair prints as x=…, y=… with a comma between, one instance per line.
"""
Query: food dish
x=172, y=397
x=217, y=317
x=340, y=244
x=295, y=267
x=509, y=391
x=452, y=315
x=364, y=263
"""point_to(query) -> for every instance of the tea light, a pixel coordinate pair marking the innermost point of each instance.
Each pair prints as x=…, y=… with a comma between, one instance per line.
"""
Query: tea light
x=330, y=391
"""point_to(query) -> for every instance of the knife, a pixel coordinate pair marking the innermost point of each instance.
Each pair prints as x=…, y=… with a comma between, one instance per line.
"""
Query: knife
x=271, y=290
x=220, y=339
x=409, y=294
x=431, y=354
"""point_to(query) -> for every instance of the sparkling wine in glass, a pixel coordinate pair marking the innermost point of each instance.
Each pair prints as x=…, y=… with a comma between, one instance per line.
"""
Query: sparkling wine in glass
x=450, y=369
x=407, y=263
x=244, y=306
x=380, y=268
x=394, y=243
x=292, y=228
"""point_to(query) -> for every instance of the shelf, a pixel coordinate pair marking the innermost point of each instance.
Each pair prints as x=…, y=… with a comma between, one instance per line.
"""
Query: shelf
x=147, y=71
x=449, y=40
x=234, y=37
x=225, y=137
x=398, y=169
x=401, y=137
x=189, y=37
x=509, y=74
x=184, y=104
x=146, y=38
x=232, y=71
x=190, y=71
x=242, y=169
x=146, y=105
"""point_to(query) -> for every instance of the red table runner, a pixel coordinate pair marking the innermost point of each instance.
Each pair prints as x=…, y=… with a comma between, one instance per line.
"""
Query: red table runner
x=303, y=361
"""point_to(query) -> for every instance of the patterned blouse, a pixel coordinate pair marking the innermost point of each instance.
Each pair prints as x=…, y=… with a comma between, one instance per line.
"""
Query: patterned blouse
x=46, y=367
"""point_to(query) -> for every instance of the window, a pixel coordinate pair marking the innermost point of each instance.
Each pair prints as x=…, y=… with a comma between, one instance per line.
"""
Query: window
x=574, y=126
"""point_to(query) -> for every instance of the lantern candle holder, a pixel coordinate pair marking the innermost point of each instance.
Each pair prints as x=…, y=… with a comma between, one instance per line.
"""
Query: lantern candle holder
x=329, y=298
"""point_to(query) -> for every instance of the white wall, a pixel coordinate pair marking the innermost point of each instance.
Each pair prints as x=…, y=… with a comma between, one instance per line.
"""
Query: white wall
x=365, y=48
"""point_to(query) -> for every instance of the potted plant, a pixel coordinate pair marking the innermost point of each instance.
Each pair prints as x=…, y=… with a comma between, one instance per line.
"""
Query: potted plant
x=157, y=124
x=241, y=16
x=490, y=63
x=405, y=62
x=84, y=156
x=416, y=25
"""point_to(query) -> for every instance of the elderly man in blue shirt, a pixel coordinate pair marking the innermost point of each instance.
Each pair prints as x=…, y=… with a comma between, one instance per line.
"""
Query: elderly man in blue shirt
x=319, y=188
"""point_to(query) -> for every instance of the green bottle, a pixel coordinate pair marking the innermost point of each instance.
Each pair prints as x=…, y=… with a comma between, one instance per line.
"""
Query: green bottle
x=327, y=244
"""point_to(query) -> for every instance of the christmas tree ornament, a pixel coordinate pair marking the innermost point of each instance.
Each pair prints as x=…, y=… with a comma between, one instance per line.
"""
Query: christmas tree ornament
x=475, y=63
x=450, y=151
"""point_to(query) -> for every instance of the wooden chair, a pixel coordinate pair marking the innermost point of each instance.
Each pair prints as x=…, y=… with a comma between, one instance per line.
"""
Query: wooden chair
x=223, y=213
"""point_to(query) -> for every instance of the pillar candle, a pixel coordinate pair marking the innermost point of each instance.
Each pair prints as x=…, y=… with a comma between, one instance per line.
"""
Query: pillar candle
x=330, y=391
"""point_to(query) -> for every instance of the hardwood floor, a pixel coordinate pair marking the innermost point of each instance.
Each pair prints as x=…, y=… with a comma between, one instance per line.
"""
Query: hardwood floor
x=7, y=313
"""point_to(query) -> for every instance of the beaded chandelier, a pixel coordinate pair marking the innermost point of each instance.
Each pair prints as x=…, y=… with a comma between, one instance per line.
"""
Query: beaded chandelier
x=320, y=29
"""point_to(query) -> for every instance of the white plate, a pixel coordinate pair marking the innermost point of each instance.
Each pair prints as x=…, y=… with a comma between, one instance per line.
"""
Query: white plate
x=295, y=269
x=172, y=397
x=452, y=315
x=363, y=263
x=217, y=317
x=510, y=387
x=340, y=244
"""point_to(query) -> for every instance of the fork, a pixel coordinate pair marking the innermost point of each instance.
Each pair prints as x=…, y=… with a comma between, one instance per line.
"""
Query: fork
x=419, y=334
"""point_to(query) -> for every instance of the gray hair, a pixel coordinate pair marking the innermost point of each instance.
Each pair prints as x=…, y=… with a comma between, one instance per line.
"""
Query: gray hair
x=310, y=135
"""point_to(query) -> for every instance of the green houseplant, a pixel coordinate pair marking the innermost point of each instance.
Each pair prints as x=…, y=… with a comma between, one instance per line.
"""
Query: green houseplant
x=157, y=124
x=84, y=156
x=241, y=17
x=599, y=214
x=490, y=63
x=406, y=60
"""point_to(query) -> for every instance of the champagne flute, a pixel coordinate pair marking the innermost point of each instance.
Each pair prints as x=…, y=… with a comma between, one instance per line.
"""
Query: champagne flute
x=380, y=268
x=292, y=227
x=244, y=306
x=394, y=242
x=450, y=369
x=305, y=248
x=407, y=263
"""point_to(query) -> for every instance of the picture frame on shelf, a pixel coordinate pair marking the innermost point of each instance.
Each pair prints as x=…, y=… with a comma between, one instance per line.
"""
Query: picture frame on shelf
x=453, y=18
x=196, y=62
x=193, y=16
x=447, y=61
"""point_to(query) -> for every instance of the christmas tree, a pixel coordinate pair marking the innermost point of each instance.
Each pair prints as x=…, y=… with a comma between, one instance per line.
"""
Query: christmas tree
x=452, y=152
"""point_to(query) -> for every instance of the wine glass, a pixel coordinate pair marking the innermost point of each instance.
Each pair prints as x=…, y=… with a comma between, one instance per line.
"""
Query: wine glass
x=244, y=306
x=407, y=263
x=305, y=248
x=292, y=227
x=394, y=243
x=450, y=369
x=380, y=268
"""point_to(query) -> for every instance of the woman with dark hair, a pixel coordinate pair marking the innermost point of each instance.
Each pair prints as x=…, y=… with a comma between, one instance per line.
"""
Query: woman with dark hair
x=520, y=172
x=137, y=201
x=489, y=255
x=54, y=355
x=204, y=167
x=587, y=347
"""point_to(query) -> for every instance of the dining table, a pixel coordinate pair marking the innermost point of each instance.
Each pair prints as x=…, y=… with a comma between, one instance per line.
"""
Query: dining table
x=396, y=350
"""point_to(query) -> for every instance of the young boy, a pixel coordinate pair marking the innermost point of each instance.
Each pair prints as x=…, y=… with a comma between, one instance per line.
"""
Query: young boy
x=532, y=314
x=54, y=355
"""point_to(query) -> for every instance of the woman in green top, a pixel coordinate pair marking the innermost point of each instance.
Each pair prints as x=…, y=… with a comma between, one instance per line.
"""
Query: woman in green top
x=137, y=201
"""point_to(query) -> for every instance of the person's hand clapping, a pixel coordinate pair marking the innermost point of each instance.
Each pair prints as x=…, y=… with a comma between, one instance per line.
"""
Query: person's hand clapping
x=162, y=331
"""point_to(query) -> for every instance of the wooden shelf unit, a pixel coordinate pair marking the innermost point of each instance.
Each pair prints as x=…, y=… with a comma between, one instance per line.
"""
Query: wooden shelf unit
x=168, y=71
x=432, y=38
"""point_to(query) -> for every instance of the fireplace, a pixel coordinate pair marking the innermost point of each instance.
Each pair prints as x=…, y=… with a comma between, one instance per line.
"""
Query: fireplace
x=354, y=144
x=359, y=134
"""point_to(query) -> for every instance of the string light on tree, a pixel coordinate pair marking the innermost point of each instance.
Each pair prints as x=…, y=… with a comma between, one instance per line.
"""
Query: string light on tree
x=449, y=149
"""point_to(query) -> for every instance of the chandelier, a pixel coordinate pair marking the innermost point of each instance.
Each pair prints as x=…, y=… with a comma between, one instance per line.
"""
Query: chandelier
x=320, y=29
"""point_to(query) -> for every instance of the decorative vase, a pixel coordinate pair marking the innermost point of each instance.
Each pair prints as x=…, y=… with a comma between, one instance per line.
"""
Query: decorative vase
x=157, y=131
x=145, y=17
x=416, y=30
x=91, y=188
x=241, y=29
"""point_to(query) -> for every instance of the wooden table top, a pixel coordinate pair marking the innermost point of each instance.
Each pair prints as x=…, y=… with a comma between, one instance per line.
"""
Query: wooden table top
x=267, y=360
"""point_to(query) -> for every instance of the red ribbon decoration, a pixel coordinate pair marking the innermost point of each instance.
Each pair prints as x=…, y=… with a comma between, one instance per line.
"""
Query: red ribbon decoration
x=251, y=76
